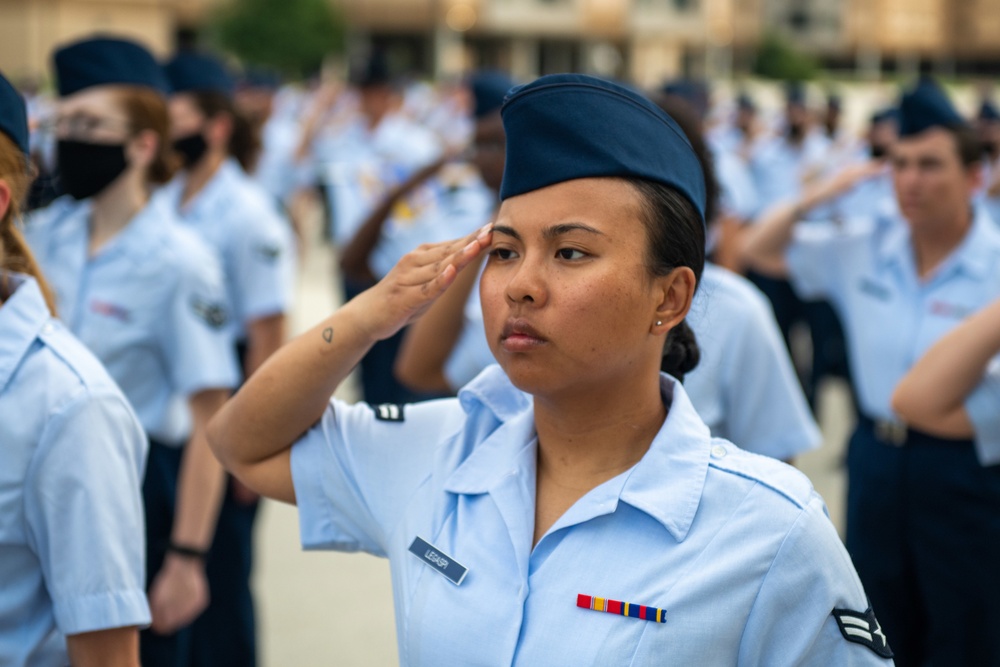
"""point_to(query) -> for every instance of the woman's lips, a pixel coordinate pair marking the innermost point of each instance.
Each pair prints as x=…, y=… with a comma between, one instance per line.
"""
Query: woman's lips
x=519, y=336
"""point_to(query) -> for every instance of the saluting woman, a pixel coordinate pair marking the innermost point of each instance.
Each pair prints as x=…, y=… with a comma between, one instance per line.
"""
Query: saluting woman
x=569, y=507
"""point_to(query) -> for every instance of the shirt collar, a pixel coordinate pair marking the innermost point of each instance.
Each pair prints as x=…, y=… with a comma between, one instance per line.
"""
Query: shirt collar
x=974, y=255
x=666, y=484
x=133, y=241
x=218, y=185
x=22, y=317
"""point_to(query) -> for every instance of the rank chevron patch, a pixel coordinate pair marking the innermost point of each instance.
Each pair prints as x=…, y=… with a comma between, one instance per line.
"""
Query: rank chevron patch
x=861, y=627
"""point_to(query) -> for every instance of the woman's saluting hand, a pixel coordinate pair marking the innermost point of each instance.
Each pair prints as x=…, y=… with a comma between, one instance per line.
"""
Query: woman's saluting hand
x=417, y=281
x=253, y=433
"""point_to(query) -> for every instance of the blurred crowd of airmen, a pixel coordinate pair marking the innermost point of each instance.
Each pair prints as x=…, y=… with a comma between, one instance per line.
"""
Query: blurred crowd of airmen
x=164, y=227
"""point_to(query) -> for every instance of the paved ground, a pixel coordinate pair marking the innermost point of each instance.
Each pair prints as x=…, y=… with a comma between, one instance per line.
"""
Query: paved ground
x=336, y=609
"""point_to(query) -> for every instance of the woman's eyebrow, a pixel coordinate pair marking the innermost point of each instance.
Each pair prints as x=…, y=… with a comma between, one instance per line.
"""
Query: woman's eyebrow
x=508, y=231
x=549, y=233
x=567, y=227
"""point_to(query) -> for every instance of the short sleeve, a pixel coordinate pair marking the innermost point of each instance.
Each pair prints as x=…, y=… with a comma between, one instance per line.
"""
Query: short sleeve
x=84, y=513
x=765, y=409
x=792, y=621
x=356, y=471
x=264, y=266
x=983, y=408
x=817, y=255
x=202, y=353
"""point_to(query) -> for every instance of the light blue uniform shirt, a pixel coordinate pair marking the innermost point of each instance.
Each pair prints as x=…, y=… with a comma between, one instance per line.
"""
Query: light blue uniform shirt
x=736, y=547
x=72, y=456
x=890, y=316
x=253, y=240
x=150, y=305
x=779, y=167
x=737, y=191
x=454, y=203
x=360, y=167
x=983, y=408
x=744, y=386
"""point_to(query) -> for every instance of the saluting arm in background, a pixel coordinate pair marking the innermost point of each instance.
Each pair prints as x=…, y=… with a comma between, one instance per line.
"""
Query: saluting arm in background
x=253, y=433
x=931, y=397
x=765, y=243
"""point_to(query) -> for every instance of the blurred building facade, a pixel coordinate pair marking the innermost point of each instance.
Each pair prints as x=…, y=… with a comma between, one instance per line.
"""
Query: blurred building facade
x=644, y=40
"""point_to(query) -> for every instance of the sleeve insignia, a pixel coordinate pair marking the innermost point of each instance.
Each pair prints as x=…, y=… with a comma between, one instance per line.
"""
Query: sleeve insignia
x=210, y=313
x=861, y=627
x=389, y=412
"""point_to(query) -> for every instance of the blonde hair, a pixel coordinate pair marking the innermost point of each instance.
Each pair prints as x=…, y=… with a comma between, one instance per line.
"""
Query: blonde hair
x=14, y=253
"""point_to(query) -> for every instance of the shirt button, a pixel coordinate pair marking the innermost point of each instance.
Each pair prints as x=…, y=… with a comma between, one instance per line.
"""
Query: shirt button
x=718, y=451
x=48, y=328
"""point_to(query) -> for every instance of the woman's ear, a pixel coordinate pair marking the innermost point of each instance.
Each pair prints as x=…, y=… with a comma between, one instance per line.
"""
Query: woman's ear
x=218, y=130
x=141, y=150
x=675, y=293
x=4, y=198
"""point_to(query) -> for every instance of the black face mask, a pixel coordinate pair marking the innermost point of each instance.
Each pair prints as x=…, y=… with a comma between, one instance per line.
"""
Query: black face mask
x=879, y=152
x=191, y=149
x=85, y=169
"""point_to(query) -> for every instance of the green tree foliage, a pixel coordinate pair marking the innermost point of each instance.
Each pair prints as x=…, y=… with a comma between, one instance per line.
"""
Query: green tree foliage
x=779, y=59
x=292, y=36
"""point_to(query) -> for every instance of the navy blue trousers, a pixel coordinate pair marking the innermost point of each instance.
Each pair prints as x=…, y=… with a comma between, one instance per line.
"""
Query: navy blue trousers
x=159, y=493
x=923, y=529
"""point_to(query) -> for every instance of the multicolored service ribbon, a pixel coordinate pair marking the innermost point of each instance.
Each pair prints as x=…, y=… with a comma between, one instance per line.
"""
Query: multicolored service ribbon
x=622, y=608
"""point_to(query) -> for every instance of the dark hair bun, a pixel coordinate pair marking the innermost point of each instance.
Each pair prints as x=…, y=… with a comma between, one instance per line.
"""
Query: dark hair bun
x=680, y=352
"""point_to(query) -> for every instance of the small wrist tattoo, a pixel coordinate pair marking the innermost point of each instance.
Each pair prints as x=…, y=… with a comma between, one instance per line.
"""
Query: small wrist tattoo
x=328, y=334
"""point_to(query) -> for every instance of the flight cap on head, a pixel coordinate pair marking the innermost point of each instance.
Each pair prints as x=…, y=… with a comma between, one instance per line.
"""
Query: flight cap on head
x=372, y=71
x=988, y=111
x=692, y=91
x=489, y=87
x=795, y=93
x=567, y=126
x=103, y=61
x=191, y=71
x=887, y=115
x=745, y=103
x=924, y=107
x=13, y=117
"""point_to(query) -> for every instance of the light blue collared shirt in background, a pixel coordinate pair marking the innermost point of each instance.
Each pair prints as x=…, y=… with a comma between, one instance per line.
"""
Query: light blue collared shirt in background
x=890, y=316
x=150, y=305
x=72, y=457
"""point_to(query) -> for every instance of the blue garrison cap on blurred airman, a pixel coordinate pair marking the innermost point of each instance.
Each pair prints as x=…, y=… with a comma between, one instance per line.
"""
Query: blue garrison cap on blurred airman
x=105, y=61
x=488, y=91
x=13, y=117
x=988, y=111
x=191, y=72
x=567, y=126
x=924, y=107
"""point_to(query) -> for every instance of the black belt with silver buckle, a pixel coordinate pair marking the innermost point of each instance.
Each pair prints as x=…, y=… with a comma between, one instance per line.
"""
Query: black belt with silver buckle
x=886, y=431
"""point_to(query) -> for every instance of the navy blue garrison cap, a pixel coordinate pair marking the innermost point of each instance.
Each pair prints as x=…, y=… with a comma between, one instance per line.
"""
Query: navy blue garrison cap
x=692, y=91
x=745, y=102
x=988, y=111
x=795, y=93
x=890, y=114
x=924, y=107
x=103, y=61
x=190, y=71
x=13, y=117
x=567, y=126
x=371, y=72
x=488, y=91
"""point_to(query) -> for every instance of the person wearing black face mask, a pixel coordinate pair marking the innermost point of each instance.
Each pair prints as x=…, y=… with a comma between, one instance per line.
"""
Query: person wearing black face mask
x=214, y=197
x=147, y=297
